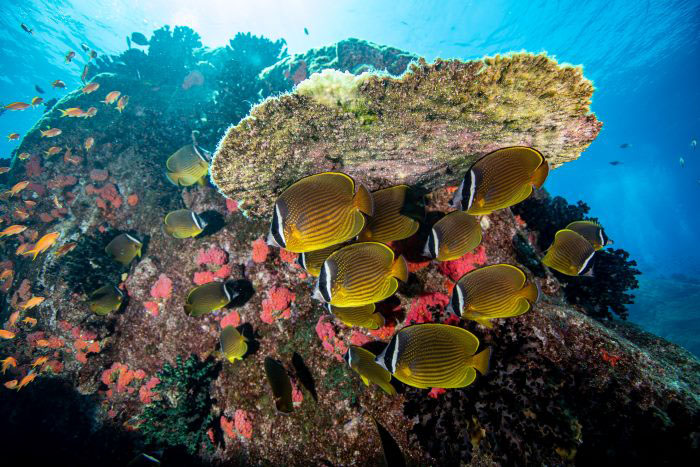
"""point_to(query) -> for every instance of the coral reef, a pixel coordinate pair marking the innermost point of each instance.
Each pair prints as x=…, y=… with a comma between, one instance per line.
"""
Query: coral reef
x=116, y=386
x=423, y=128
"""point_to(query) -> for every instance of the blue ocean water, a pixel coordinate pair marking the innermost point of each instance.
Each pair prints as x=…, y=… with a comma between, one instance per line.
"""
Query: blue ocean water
x=644, y=58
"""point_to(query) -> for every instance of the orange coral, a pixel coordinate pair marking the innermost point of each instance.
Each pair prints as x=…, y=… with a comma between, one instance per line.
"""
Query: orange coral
x=260, y=251
x=132, y=200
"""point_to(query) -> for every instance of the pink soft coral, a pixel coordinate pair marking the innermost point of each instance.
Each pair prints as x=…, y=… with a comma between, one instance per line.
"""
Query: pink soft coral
x=260, y=250
x=329, y=341
x=277, y=304
x=214, y=256
x=422, y=307
x=231, y=319
x=243, y=423
x=162, y=288
x=203, y=277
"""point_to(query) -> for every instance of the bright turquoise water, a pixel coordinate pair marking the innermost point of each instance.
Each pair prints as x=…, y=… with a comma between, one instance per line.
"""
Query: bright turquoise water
x=644, y=58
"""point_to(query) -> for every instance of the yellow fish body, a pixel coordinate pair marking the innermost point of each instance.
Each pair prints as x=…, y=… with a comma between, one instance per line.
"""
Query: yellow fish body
x=360, y=274
x=497, y=291
x=187, y=166
x=501, y=179
x=208, y=297
x=570, y=254
x=362, y=362
x=591, y=231
x=362, y=316
x=312, y=261
x=388, y=224
x=183, y=223
x=106, y=299
x=319, y=211
x=434, y=355
x=32, y=302
x=233, y=344
x=43, y=244
x=453, y=236
x=124, y=248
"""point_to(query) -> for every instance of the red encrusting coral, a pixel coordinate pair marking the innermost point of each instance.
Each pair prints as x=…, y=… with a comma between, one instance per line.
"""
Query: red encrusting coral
x=132, y=200
x=61, y=181
x=359, y=339
x=152, y=308
x=163, y=287
x=227, y=427
x=457, y=268
x=423, y=306
x=231, y=319
x=436, y=392
x=98, y=175
x=243, y=423
x=231, y=205
x=212, y=256
x=329, y=340
x=203, y=277
x=276, y=304
x=146, y=394
x=33, y=167
x=288, y=257
x=260, y=251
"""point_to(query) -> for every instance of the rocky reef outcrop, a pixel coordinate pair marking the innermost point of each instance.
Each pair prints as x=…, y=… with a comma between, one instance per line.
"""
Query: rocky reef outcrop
x=563, y=388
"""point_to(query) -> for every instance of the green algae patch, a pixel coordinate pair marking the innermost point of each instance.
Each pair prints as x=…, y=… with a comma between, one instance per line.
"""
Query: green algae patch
x=422, y=128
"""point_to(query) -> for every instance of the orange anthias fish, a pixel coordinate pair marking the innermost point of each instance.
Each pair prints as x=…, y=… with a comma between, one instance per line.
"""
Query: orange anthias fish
x=42, y=343
x=18, y=187
x=83, y=77
x=20, y=215
x=56, y=202
x=17, y=106
x=13, y=230
x=42, y=245
x=22, y=248
x=91, y=87
x=67, y=158
x=52, y=151
x=13, y=318
x=122, y=102
x=32, y=302
x=65, y=248
x=24, y=156
x=4, y=170
x=111, y=97
x=89, y=143
x=30, y=321
x=7, y=363
x=58, y=84
x=72, y=112
x=11, y=384
x=5, y=334
x=29, y=203
x=40, y=361
x=69, y=56
x=26, y=380
x=37, y=100
x=51, y=133
x=91, y=112
x=6, y=273
x=12, y=136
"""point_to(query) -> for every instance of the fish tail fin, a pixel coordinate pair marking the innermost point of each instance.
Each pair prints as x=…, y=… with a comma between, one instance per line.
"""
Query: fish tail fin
x=484, y=322
x=364, y=380
x=202, y=181
x=400, y=269
x=387, y=387
x=63, y=112
x=377, y=320
x=481, y=361
x=531, y=292
x=363, y=200
x=540, y=174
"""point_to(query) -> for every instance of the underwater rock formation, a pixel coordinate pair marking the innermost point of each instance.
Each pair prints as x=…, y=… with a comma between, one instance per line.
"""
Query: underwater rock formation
x=423, y=128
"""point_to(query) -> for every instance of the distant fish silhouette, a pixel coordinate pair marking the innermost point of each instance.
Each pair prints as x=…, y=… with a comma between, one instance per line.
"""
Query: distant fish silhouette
x=681, y=161
x=693, y=144
x=614, y=162
x=306, y=31
x=625, y=145
x=138, y=38
x=38, y=89
x=26, y=28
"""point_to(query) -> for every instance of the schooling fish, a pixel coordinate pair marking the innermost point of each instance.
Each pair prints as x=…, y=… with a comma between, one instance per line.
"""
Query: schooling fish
x=591, y=231
x=7, y=363
x=13, y=318
x=233, y=344
x=32, y=302
x=37, y=100
x=388, y=224
x=84, y=46
x=183, y=223
x=69, y=56
x=27, y=28
x=58, y=84
x=30, y=321
x=434, y=355
x=124, y=248
x=13, y=230
x=17, y=106
x=497, y=291
x=52, y=151
x=64, y=249
x=90, y=87
x=187, y=166
x=26, y=380
x=209, y=297
x=89, y=142
x=5, y=334
x=38, y=89
x=83, y=76
x=13, y=136
x=312, y=261
x=139, y=39
x=106, y=299
x=501, y=179
x=280, y=384
x=91, y=112
x=17, y=187
x=51, y=133
x=361, y=316
x=360, y=274
x=362, y=361
x=122, y=102
x=319, y=211
x=43, y=244
x=11, y=384
x=24, y=156
x=111, y=97
x=453, y=236
x=40, y=361
x=570, y=254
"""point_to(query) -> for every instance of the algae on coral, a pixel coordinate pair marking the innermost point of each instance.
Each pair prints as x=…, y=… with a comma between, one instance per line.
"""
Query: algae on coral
x=423, y=128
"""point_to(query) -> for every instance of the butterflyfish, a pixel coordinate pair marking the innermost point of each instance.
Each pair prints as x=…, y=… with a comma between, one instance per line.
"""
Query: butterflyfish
x=124, y=248
x=453, y=236
x=209, y=297
x=233, y=344
x=362, y=362
x=106, y=299
x=187, y=166
x=570, y=254
x=183, y=223
x=388, y=223
x=364, y=316
x=591, y=231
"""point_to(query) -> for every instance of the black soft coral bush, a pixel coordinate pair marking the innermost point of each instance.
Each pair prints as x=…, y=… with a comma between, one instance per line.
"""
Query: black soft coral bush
x=614, y=273
x=182, y=414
